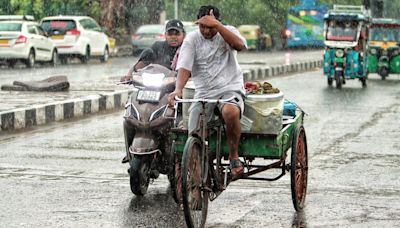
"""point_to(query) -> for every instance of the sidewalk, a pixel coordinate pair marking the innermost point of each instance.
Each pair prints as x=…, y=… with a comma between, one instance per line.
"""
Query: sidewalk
x=18, y=111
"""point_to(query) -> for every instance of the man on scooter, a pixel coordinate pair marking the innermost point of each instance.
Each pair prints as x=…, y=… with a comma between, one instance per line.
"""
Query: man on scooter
x=161, y=52
x=209, y=57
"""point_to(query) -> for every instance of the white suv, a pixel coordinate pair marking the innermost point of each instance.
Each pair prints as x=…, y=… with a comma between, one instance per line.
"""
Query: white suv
x=77, y=36
x=25, y=40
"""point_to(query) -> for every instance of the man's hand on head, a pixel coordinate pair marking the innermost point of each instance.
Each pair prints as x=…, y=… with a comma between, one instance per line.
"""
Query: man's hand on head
x=208, y=20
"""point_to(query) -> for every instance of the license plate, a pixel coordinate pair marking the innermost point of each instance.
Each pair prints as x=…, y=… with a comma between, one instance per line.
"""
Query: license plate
x=57, y=37
x=148, y=96
x=3, y=41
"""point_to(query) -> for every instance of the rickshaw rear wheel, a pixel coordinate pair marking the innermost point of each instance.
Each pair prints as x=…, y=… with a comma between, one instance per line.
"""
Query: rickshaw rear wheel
x=194, y=195
x=299, y=168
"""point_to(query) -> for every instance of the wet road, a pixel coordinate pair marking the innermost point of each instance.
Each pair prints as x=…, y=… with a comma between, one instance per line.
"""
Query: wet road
x=69, y=174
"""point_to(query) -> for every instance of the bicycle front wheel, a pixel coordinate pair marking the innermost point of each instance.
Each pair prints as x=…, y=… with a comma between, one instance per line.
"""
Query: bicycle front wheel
x=194, y=193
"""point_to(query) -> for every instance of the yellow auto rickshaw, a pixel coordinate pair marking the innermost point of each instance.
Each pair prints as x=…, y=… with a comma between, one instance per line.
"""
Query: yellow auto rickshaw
x=256, y=39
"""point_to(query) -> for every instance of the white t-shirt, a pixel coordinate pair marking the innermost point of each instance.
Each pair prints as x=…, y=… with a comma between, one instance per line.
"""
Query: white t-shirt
x=213, y=64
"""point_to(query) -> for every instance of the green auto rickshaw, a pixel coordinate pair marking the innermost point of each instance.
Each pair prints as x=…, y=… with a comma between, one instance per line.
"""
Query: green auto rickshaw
x=383, y=47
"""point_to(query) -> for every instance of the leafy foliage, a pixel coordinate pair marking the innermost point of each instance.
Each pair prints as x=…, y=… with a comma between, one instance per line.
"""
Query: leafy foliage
x=127, y=15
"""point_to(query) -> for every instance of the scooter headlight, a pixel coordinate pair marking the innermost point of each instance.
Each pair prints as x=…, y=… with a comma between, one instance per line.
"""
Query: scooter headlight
x=373, y=51
x=153, y=80
x=339, y=53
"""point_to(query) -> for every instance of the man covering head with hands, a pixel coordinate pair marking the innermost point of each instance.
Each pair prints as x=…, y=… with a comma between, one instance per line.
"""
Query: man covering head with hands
x=208, y=55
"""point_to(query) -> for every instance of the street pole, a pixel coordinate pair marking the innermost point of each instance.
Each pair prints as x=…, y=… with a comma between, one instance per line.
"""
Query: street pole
x=176, y=9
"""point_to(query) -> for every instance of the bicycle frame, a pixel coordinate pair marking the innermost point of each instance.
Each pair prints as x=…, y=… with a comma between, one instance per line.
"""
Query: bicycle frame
x=203, y=134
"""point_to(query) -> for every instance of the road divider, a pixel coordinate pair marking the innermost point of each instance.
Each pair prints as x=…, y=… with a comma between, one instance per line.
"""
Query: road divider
x=36, y=115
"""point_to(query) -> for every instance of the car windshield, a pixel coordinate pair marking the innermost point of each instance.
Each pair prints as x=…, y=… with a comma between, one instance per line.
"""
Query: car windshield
x=56, y=27
x=151, y=29
x=10, y=27
x=385, y=34
x=342, y=31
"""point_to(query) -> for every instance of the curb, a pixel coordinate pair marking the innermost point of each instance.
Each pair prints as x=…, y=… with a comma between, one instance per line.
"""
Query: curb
x=265, y=72
x=74, y=108
x=43, y=114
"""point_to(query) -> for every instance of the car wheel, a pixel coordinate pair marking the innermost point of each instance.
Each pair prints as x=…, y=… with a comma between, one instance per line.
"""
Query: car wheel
x=54, y=59
x=106, y=55
x=30, y=62
x=85, y=58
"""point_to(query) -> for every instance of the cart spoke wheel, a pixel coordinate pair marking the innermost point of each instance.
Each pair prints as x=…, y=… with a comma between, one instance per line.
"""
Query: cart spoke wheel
x=194, y=195
x=299, y=168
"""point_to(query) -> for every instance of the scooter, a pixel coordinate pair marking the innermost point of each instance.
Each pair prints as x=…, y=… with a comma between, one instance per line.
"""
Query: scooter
x=147, y=124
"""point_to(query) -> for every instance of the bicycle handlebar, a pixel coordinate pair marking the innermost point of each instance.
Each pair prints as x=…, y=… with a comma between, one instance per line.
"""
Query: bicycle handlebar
x=204, y=100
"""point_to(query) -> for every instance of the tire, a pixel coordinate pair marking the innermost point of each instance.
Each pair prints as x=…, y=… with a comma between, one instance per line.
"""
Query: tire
x=363, y=82
x=30, y=61
x=330, y=81
x=175, y=178
x=299, y=168
x=63, y=60
x=338, y=79
x=54, y=59
x=140, y=174
x=192, y=176
x=106, y=55
x=383, y=72
x=85, y=58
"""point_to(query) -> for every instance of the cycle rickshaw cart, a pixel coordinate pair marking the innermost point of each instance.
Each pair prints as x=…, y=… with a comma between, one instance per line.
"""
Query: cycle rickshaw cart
x=345, y=56
x=205, y=172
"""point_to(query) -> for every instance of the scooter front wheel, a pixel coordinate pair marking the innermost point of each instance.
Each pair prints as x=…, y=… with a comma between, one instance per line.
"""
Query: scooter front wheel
x=140, y=174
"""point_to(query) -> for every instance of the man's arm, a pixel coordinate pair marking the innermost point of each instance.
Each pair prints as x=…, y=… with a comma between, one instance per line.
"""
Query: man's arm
x=234, y=41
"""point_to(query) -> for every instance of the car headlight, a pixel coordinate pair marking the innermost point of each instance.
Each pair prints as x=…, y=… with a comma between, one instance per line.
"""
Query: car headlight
x=373, y=51
x=339, y=53
x=396, y=52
